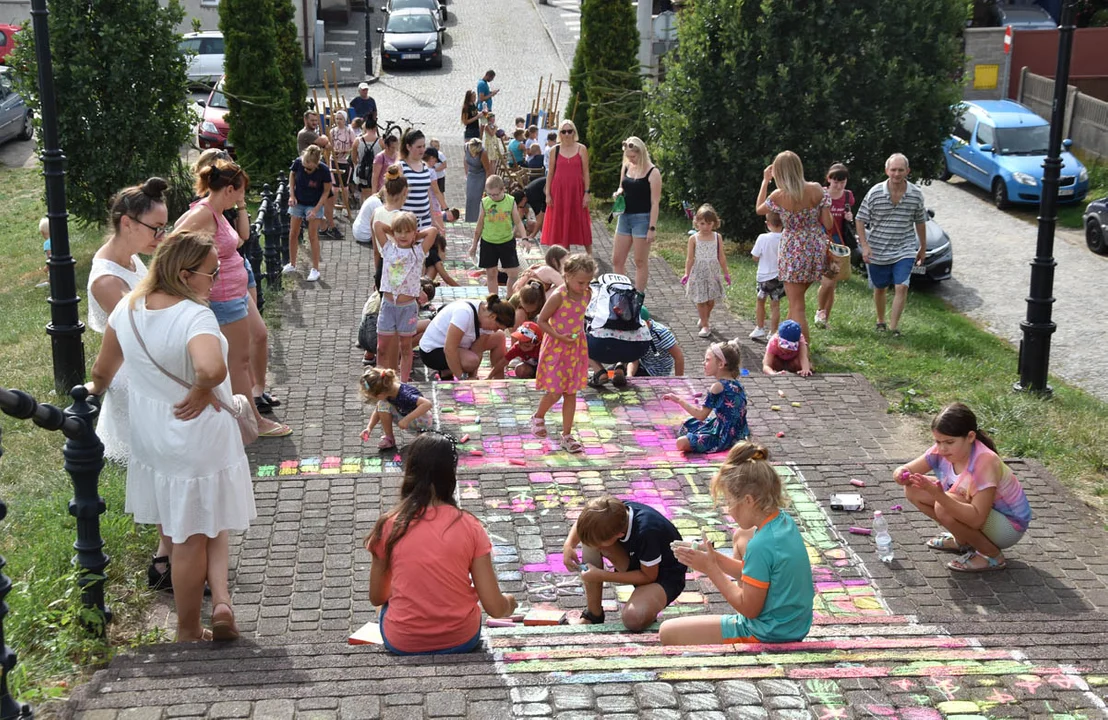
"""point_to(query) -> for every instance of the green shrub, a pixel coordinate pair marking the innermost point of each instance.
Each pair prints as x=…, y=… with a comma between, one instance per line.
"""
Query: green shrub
x=120, y=79
x=290, y=60
x=832, y=81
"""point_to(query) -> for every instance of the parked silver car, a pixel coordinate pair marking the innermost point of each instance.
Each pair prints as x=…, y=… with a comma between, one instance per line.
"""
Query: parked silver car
x=15, y=116
x=206, y=48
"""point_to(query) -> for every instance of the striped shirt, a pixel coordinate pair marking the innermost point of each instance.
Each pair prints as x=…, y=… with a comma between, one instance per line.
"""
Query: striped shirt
x=419, y=192
x=891, y=229
x=1009, y=500
x=657, y=361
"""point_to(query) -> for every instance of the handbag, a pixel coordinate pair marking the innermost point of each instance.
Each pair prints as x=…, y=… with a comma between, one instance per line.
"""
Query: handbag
x=241, y=406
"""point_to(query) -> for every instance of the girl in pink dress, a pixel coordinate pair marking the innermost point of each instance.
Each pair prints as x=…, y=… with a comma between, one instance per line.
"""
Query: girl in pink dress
x=567, y=193
x=564, y=357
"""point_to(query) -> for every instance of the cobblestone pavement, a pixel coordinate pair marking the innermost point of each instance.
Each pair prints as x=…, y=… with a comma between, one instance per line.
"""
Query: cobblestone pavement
x=992, y=254
x=905, y=640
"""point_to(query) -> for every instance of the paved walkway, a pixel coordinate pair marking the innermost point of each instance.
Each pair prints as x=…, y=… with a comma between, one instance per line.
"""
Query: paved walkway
x=907, y=640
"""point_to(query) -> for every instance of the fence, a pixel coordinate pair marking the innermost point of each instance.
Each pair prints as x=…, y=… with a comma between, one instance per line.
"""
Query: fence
x=1086, y=118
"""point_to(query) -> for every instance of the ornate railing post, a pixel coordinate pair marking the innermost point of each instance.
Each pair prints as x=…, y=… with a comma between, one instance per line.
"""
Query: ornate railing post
x=9, y=708
x=252, y=250
x=283, y=216
x=84, y=459
x=271, y=228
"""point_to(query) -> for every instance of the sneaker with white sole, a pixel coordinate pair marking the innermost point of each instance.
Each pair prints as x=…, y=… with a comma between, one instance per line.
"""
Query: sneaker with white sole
x=313, y=275
x=705, y=332
x=288, y=269
x=821, y=319
x=758, y=334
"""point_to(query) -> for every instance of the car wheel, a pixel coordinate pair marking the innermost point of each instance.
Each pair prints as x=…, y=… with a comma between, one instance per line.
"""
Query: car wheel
x=28, y=131
x=1094, y=237
x=1000, y=194
x=945, y=174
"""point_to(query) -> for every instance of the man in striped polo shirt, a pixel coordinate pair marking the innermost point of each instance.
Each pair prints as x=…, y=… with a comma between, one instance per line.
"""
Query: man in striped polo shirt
x=892, y=233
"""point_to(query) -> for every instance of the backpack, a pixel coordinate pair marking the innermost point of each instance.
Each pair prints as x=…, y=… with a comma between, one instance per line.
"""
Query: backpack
x=615, y=304
x=364, y=171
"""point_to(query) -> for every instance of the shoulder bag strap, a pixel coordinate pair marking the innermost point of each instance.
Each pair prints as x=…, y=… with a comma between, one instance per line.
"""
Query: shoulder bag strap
x=476, y=322
x=171, y=376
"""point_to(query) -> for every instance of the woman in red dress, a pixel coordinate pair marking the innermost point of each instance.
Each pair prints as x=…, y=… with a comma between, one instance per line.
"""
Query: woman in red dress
x=567, y=193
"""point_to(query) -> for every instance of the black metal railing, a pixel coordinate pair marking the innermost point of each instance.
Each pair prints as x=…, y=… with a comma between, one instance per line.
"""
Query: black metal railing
x=283, y=216
x=84, y=459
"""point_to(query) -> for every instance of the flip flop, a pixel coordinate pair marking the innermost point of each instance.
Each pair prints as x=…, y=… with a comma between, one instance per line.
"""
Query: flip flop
x=945, y=542
x=962, y=563
x=276, y=432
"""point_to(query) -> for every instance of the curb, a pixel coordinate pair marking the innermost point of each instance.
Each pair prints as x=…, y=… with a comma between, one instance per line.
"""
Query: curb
x=549, y=34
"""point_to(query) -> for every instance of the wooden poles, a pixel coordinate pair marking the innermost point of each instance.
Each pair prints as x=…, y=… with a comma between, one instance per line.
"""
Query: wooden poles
x=547, y=101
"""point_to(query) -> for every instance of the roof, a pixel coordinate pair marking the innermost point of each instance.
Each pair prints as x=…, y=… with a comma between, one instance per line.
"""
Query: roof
x=1007, y=113
x=204, y=34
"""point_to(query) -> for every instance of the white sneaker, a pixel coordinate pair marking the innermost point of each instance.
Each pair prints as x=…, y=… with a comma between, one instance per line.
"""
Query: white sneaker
x=821, y=319
x=758, y=334
x=705, y=332
x=313, y=275
x=288, y=269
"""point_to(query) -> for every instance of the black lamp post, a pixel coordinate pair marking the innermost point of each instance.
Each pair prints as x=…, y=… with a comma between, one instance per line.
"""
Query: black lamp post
x=368, y=39
x=1037, y=328
x=65, y=326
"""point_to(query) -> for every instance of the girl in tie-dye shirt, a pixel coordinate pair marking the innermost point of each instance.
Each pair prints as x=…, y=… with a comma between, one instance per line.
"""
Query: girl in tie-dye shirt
x=973, y=493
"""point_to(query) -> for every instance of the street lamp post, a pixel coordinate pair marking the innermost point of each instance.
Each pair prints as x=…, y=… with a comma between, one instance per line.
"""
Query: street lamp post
x=1037, y=327
x=65, y=326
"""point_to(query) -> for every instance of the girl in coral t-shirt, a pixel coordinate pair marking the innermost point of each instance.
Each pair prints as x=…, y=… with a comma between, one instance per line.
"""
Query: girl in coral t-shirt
x=425, y=553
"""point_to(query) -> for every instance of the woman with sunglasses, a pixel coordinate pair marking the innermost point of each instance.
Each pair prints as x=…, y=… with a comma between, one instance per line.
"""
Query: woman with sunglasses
x=188, y=472
x=841, y=202
x=222, y=186
x=567, y=192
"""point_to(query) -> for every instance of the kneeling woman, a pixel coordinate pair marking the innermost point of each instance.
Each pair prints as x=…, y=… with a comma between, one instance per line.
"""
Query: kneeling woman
x=462, y=332
x=426, y=553
x=974, y=495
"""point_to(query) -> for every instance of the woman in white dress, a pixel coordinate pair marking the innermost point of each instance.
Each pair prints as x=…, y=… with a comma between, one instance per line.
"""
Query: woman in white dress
x=138, y=216
x=188, y=471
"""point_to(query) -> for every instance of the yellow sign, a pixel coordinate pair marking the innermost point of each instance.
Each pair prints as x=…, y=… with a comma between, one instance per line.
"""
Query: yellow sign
x=985, y=77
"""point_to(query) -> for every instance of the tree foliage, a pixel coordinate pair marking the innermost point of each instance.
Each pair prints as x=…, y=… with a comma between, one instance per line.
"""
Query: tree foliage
x=606, y=66
x=290, y=59
x=120, y=79
x=259, y=119
x=832, y=81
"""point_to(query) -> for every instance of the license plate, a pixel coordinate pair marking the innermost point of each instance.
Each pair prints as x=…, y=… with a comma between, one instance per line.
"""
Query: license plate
x=1065, y=191
x=919, y=270
x=410, y=56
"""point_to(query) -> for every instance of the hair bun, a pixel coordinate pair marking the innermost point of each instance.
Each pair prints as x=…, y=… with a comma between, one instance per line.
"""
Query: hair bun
x=393, y=172
x=155, y=188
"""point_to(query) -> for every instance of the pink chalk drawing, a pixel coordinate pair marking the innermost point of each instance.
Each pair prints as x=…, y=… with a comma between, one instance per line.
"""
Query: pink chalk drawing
x=553, y=564
x=920, y=713
x=881, y=711
x=1065, y=682
x=829, y=713
x=1000, y=697
x=946, y=687
x=905, y=684
x=1030, y=683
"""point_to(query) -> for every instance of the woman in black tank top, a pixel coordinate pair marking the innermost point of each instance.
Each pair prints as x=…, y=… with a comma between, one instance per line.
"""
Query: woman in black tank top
x=640, y=185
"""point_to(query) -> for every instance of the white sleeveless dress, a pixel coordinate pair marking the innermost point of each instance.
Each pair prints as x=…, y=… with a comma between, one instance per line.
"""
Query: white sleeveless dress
x=113, y=425
x=192, y=477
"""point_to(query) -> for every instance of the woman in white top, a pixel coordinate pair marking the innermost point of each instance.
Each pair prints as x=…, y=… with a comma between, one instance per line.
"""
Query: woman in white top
x=138, y=216
x=188, y=471
x=462, y=332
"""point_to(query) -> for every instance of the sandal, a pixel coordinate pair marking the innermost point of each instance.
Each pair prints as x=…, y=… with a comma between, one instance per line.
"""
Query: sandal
x=224, y=629
x=277, y=431
x=945, y=542
x=598, y=379
x=619, y=376
x=538, y=426
x=270, y=400
x=157, y=579
x=571, y=444
x=587, y=618
x=880, y=327
x=386, y=443
x=962, y=564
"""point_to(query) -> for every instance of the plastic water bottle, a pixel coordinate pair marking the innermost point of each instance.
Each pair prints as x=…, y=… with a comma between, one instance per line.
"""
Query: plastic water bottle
x=882, y=537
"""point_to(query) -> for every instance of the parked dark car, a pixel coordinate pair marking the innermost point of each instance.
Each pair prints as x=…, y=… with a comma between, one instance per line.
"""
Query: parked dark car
x=1096, y=226
x=15, y=116
x=1022, y=17
x=937, y=265
x=411, y=36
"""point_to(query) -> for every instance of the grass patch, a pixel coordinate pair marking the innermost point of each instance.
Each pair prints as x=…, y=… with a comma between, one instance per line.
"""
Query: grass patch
x=942, y=357
x=38, y=533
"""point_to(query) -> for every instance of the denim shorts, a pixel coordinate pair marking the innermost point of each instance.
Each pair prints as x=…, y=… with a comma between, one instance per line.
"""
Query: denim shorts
x=634, y=224
x=885, y=276
x=393, y=319
x=229, y=311
x=250, y=281
x=610, y=351
x=305, y=211
x=468, y=646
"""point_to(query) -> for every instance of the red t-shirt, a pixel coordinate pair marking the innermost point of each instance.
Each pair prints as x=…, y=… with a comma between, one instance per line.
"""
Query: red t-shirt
x=531, y=357
x=433, y=604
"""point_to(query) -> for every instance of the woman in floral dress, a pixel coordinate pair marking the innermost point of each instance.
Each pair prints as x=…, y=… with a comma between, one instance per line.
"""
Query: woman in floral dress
x=804, y=208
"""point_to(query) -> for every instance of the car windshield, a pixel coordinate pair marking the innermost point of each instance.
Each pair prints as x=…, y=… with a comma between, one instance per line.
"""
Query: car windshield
x=429, y=4
x=1023, y=140
x=218, y=99
x=421, y=23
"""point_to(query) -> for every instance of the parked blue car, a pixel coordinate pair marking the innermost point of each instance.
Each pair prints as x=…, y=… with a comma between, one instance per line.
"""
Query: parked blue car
x=1000, y=146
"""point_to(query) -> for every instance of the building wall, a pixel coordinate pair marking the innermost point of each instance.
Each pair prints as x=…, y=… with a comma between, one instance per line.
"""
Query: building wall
x=14, y=12
x=985, y=63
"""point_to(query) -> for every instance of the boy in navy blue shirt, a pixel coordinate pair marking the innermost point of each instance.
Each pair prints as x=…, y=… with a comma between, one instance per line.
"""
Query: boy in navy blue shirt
x=635, y=538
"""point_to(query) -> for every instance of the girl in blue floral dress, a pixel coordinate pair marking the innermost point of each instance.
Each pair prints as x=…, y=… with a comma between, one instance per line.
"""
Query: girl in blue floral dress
x=721, y=421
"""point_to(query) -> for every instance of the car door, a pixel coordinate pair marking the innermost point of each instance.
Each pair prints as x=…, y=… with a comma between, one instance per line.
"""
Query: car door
x=211, y=57
x=11, y=114
x=963, y=153
x=985, y=164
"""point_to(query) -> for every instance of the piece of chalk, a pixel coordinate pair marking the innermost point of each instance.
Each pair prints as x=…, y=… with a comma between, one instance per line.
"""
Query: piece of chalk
x=365, y=435
x=744, y=372
x=397, y=458
x=445, y=409
x=775, y=407
x=517, y=461
x=860, y=531
x=905, y=475
x=584, y=567
x=857, y=483
x=463, y=439
x=496, y=623
x=796, y=404
x=780, y=434
x=780, y=393
x=896, y=508
x=696, y=395
x=477, y=453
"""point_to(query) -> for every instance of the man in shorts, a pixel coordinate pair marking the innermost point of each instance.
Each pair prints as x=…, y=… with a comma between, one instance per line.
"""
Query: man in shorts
x=892, y=234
